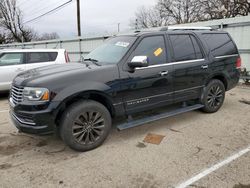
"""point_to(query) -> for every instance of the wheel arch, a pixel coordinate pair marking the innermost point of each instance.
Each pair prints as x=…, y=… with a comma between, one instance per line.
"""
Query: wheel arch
x=220, y=77
x=94, y=95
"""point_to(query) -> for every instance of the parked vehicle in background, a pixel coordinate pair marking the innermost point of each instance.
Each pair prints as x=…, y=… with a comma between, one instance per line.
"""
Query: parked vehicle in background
x=191, y=68
x=15, y=61
x=245, y=75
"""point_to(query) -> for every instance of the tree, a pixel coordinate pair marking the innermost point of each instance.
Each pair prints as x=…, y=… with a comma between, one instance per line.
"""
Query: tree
x=2, y=38
x=12, y=22
x=217, y=9
x=149, y=17
x=187, y=11
x=12, y=27
x=181, y=11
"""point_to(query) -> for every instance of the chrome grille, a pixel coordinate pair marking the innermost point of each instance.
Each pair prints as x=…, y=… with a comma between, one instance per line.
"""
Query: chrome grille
x=17, y=94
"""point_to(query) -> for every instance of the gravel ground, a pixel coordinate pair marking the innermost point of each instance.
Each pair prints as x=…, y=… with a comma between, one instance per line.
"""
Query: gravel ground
x=193, y=141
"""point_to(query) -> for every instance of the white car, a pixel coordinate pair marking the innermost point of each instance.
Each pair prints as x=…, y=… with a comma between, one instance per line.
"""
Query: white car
x=15, y=61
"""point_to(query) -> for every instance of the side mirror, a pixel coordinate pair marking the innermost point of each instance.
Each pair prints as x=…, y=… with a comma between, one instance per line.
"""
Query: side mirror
x=138, y=61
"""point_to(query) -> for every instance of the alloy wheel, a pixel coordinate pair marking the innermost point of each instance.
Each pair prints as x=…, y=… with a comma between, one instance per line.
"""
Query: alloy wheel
x=215, y=96
x=88, y=127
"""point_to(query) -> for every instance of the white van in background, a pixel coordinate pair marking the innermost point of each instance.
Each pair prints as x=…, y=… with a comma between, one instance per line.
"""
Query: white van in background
x=14, y=61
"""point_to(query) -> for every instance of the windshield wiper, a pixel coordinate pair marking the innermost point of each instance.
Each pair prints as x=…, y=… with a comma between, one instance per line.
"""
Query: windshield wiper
x=93, y=61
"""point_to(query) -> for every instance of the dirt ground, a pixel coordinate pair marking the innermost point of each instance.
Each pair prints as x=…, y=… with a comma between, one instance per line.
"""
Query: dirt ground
x=193, y=142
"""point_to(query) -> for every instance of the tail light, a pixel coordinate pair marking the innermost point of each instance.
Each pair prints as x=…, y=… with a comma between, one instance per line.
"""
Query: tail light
x=238, y=63
x=66, y=57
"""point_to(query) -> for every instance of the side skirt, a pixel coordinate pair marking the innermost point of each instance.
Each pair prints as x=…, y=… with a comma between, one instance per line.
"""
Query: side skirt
x=135, y=123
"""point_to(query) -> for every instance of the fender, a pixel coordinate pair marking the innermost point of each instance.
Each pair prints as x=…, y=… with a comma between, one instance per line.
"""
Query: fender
x=81, y=87
x=223, y=75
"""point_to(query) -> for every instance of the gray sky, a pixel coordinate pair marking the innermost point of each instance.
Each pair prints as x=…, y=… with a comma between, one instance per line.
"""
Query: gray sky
x=98, y=16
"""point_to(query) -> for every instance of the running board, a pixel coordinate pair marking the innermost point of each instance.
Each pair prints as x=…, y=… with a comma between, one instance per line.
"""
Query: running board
x=138, y=122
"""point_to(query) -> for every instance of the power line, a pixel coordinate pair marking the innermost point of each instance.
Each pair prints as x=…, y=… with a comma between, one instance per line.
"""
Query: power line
x=39, y=9
x=49, y=12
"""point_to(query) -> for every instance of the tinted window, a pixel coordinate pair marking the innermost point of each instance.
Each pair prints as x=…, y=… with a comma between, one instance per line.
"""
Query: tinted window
x=53, y=56
x=185, y=47
x=197, y=48
x=152, y=47
x=11, y=59
x=39, y=57
x=220, y=44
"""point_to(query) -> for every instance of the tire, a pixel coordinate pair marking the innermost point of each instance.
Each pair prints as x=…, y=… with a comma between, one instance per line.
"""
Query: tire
x=85, y=125
x=213, y=96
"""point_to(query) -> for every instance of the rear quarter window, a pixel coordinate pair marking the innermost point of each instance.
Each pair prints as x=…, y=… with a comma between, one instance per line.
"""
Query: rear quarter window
x=220, y=44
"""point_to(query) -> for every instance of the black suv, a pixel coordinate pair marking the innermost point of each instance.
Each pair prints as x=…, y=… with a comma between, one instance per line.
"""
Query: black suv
x=126, y=75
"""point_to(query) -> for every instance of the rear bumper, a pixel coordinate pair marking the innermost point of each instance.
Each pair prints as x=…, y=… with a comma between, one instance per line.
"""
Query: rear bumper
x=234, y=80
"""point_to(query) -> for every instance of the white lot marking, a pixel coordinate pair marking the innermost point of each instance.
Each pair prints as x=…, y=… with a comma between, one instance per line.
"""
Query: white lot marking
x=2, y=111
x=213, y=168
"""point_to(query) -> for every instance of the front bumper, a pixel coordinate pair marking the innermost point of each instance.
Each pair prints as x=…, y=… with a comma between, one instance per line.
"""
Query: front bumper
x=40, y=122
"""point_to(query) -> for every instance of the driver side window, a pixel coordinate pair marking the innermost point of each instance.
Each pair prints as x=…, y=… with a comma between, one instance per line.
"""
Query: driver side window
x=154, y=48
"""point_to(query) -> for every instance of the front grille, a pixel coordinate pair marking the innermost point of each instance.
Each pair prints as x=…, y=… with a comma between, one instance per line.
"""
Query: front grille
x=16, y=94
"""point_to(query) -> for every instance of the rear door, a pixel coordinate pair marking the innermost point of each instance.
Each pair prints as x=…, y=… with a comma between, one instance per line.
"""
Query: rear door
x=190, y=66
x=40, y=59
x=148, y=87
x=11, y=64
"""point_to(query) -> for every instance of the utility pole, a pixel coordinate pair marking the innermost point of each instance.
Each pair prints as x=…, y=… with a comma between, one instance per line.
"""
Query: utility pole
x=136, y=24
x=118, y=27
x=78, y=18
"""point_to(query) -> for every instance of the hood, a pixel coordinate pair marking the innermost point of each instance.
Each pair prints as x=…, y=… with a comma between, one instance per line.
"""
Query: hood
x=49, y=72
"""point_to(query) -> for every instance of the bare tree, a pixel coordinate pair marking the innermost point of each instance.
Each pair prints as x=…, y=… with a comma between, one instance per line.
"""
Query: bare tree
x=181, y=11
x=187, y=11
x=3, y=39
x=217, y=9
x=12, y=22
x=149, y=17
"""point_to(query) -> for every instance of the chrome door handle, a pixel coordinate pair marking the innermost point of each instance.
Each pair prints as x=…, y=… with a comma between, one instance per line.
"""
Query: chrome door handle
x=204, y=66
x=164, y=73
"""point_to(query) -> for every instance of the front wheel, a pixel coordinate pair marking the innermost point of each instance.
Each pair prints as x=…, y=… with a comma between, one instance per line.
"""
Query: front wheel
x=85, y=125
x=213, y=96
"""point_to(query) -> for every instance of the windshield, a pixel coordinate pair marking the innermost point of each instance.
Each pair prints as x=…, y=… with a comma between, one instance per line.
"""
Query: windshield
x=112, y=50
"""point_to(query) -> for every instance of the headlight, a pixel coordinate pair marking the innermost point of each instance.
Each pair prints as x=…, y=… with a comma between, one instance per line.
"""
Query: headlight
x=35, y=94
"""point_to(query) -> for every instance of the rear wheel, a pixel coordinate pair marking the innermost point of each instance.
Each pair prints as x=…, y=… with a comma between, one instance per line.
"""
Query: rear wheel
x=85, y=125
x=213, y=96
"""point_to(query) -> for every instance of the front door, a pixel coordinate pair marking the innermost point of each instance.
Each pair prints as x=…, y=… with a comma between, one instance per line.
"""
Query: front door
x=148, y=87
x=190, y=66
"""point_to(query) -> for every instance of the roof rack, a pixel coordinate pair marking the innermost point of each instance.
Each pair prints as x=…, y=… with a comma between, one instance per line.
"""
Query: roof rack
x=174, y=28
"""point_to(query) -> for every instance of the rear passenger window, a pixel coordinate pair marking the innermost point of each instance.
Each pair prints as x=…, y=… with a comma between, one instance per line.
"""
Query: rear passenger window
x=220, y=44
x=197, y=48
x=185, y=47
x=40, y=57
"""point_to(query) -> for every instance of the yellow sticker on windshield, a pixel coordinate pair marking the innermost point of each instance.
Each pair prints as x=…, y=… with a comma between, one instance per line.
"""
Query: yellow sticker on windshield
x=158, y=52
